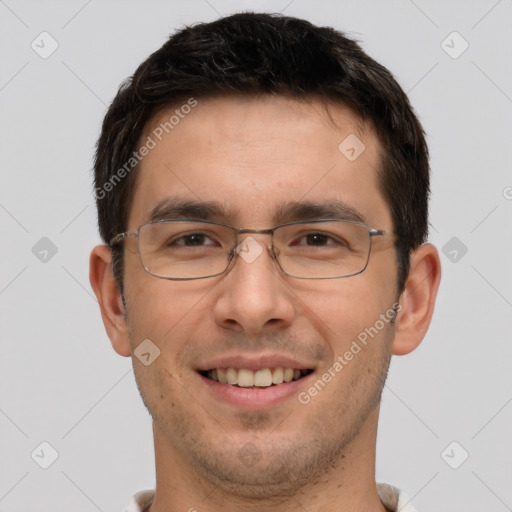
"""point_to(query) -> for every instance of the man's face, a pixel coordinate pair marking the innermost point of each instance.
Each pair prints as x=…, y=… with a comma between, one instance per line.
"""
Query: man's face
x=252, y=157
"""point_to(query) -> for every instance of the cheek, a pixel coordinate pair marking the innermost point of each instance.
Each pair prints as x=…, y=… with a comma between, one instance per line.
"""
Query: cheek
x=343, y=308
x=165, y=315
x=158, y=305
x=166, y=312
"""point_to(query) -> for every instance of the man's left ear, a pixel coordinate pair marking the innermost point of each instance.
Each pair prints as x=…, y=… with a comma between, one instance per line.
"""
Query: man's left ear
x=417, y=300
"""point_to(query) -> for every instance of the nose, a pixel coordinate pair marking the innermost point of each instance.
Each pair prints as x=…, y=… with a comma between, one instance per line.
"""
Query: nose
x=253, y=295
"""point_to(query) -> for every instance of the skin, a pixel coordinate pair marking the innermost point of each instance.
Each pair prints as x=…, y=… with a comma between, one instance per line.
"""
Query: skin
x=252, y=154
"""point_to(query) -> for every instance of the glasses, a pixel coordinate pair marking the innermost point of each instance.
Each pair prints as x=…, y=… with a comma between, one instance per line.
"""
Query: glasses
x=185, y=249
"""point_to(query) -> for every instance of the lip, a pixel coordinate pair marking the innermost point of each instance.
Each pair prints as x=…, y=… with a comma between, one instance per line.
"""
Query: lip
x=255, y=363
x=255, y=398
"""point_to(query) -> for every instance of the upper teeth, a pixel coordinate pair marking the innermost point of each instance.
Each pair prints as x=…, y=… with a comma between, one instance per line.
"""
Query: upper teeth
x=261, y=378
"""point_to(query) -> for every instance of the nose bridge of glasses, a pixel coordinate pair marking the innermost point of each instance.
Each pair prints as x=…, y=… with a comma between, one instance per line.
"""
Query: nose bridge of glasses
x=242, y=244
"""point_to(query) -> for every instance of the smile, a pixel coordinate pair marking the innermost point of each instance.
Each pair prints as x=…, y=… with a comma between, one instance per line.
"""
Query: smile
x=262, y=378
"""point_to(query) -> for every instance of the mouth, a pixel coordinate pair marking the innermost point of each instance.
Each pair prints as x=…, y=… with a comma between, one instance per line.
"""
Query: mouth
x=256, y=379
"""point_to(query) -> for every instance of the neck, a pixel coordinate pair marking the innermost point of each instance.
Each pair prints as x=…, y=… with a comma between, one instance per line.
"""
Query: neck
x=347, y=485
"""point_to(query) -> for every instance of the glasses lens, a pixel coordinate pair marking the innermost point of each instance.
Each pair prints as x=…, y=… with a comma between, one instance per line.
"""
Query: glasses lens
x=184, y=249
x=324, y=249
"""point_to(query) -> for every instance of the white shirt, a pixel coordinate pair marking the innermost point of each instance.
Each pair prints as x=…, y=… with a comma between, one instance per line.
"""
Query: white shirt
x=391, y=497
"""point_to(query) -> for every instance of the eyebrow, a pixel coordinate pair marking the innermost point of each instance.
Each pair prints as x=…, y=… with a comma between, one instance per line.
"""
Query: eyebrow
x=176, y=207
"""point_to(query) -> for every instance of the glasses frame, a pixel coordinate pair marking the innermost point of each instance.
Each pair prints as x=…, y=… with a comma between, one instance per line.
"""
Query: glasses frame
x=372, y=232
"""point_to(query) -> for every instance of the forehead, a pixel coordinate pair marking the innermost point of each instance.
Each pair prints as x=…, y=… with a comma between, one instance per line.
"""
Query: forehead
x=252, y=156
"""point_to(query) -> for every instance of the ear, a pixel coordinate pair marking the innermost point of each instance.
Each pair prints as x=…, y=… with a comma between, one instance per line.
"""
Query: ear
x=109, y=298
x=417, y=300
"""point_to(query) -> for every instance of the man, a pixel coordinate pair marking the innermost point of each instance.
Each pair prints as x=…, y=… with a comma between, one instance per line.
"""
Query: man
x=262, y=189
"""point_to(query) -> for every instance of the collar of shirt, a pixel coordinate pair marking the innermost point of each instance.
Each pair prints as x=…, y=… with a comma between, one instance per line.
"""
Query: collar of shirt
x=391, y=497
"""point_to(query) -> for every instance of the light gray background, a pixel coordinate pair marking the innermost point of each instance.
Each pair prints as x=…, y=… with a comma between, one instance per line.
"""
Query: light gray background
x=60, y=380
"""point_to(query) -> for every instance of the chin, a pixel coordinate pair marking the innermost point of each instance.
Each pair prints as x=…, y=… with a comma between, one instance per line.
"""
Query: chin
x=277, y=471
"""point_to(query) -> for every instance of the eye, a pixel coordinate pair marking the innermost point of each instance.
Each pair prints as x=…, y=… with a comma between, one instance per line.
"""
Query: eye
x=319, y=239
x=192, y=240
